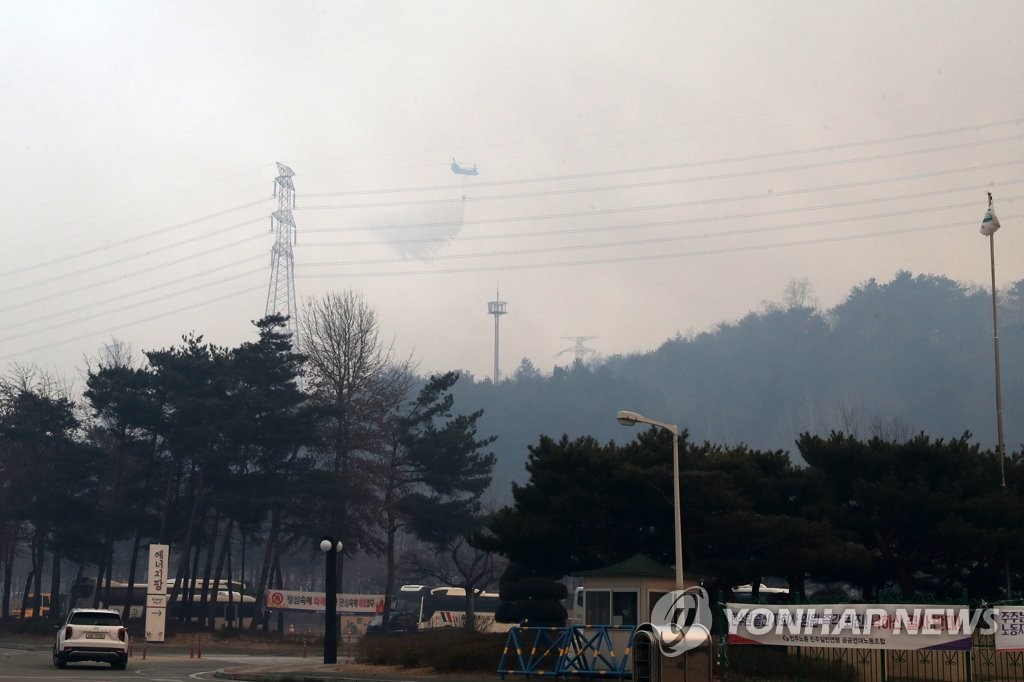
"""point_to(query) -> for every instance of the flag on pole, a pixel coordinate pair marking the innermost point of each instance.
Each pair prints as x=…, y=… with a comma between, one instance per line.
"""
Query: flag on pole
x=990, y=223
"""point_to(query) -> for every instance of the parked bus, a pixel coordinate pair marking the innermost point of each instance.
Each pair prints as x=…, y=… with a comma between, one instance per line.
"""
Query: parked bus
x=233, y=607
x=38, y=606
x=420, y=607
x=768, y=595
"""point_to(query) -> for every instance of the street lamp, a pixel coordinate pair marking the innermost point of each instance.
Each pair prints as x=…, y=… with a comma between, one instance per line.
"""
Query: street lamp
x=989, y=225
x=330, y=548
x=628, y=418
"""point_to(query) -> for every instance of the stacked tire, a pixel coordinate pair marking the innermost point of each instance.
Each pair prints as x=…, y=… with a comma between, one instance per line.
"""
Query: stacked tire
x=530, y=598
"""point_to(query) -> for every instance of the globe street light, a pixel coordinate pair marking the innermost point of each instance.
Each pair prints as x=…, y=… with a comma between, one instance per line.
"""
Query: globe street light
x=330, y=548
x=628, y=418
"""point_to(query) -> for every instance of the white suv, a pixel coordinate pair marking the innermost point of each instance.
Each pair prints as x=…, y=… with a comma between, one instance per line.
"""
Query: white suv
x=92, y=635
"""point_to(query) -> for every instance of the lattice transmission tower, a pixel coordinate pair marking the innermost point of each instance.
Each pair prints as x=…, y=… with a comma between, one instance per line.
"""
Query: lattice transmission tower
x=496, y=308
x=281, y=293
x=579, y=349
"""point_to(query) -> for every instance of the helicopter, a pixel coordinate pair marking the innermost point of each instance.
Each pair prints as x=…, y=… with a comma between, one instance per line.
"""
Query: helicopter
x=463, y=170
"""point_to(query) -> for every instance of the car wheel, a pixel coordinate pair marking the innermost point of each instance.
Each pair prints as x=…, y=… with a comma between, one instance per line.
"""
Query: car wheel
x=119, y=665
x=58, y=661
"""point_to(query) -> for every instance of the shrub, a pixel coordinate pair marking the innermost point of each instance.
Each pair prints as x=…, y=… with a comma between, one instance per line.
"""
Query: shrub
x=31, y=626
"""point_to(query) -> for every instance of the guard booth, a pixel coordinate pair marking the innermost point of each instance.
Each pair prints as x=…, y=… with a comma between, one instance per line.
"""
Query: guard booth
x=623, y=596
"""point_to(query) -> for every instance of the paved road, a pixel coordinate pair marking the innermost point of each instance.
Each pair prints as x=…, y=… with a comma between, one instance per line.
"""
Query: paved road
x=37, y=664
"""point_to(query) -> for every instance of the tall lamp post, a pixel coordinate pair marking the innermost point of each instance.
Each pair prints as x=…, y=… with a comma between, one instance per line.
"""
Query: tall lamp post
x=989, y=225
x=330, y=547
x=629, y=419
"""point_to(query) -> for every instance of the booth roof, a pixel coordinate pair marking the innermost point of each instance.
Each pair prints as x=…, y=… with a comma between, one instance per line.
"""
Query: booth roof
x=638, y=565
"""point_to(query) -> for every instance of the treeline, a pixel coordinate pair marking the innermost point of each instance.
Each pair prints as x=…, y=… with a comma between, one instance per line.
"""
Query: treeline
x=898, y=517
x=892, y=359
x=199, y=444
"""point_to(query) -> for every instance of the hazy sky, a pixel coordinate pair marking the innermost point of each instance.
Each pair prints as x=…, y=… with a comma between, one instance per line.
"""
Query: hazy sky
x=646, y=168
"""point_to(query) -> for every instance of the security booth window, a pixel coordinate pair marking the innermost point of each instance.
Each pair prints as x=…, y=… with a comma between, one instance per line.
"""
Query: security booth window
x=598, y=608
x=652, y=601
x=624, y=608
x=611, y=607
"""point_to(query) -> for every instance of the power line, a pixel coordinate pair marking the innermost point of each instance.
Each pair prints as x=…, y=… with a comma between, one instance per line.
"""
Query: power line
x=695, y=202
x=648, y=257
x=158, y=316
x=132, y=240
x=130, y=306
x=726, y=176
x=191, y=188
x=93, y=268
x=133, y=293
x=528, y=266
x=210, y=216
x=717, y=218
x=688, y=125
x=689, y=221
x=631, y=209
x=728, y=233
x=713, y=162
x=548, y=216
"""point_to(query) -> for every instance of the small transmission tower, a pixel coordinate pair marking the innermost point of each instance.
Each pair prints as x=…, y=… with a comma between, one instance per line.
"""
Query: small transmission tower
x=580, y=350
x=496, y=308
x=281, y=293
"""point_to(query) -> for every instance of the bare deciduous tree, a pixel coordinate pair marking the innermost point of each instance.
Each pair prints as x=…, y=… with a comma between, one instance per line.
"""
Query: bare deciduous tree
x=799, y=294
x=357, y=384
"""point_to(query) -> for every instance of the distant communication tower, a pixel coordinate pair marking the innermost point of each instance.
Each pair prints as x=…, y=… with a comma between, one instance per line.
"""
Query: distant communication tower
x=281, y=293
x=496, y=308
x=581, y=351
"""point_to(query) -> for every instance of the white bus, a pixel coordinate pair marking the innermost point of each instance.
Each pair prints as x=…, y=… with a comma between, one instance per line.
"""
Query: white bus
x=418, y=608
x=233, y=608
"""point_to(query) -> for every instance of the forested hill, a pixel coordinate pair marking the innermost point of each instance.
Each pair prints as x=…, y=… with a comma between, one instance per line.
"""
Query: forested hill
x=893, y=359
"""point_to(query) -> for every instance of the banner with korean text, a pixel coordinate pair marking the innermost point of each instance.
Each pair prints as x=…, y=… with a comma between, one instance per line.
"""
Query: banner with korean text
x=1010, y=635
x=156, y=593
x=350, y=604
x=858, y=626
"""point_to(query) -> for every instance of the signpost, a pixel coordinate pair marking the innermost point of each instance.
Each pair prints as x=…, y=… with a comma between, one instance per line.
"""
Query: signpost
x=156, y=593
